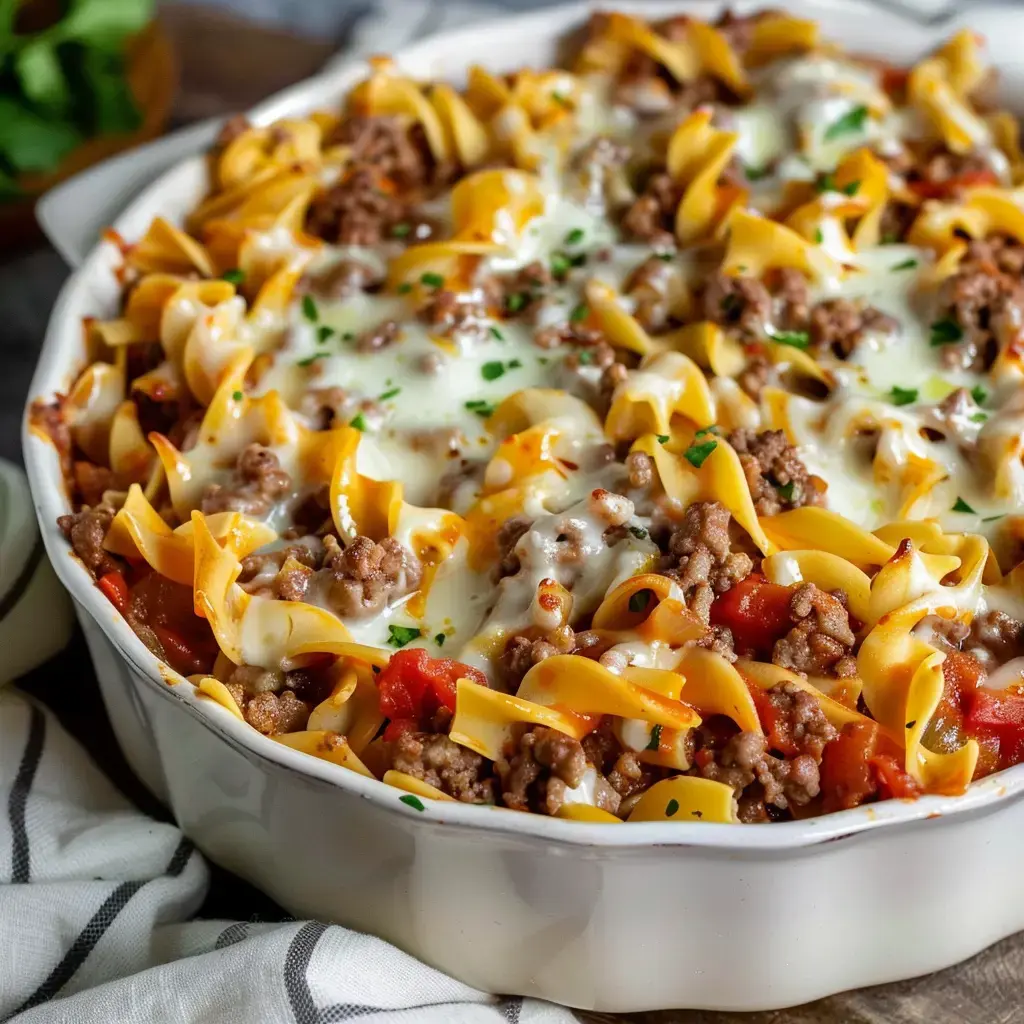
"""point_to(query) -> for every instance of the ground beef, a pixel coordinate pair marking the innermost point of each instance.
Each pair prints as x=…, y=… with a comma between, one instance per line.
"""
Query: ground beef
x=821, y=640
x=451, y=315
x=334, y=406
x=600, y=165
x=259, y=483
x=381, y=336
x=508, y=537
x=92, y=482
x=741, y=302
x=625, y=772
x=640, y=470
x=85, y=531
x=648, y=286
x=776, y=476
x=524, y=650
x=701, y=558
x=273, y=713
x=758, y=374
x=943, y=167
x=356, y=211
x=799, y=725
x=364, y=577
x=651, y=218
x=993, y=638
x=985, y=293
x=397, y=153
x=838, y=325
x=441, y=763
x=262, y=573
x=521, y=294
x=341, y=280
x=543, y=765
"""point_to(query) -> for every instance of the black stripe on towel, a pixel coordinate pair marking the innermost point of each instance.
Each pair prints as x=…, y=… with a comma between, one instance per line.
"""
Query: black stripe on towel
x=21, y=861
x=296, y=963
x=21, y=584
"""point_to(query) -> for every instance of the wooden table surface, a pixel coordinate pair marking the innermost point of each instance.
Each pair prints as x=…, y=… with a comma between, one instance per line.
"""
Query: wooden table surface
x=226, y=66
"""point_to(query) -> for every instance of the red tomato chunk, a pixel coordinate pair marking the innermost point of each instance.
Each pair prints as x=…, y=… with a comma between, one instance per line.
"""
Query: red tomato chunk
x=756, y=611
x=413, y=686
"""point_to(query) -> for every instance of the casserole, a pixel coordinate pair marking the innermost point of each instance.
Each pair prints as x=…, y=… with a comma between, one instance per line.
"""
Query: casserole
x=561, y=894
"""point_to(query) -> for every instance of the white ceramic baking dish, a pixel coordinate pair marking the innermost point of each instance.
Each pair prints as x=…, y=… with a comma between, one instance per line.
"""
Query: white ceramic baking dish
x=615, y=918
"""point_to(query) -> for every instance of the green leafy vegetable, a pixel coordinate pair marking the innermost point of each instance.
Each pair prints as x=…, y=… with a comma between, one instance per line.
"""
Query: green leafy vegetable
x=579, y=314
x=439, y=639
x=389, y=394
x=852, y=121
x=574, y=237
x=358, y=421
x=492, y=370
x=905, y=265
x=480, y=407
x=662, y=438
x=795, y=339
x=432, y=280
x=903, y=396
x=496, y=334
x=399, y=636
x=655, y=739
x=237, y=395
x=412, y=801
x=235, y=277
x=945, y=332
x=639, y=532
x=309, y=310
x=696, y=455
x=979, y=394
x=671, y=808
x=785, y=491
x=962, y=506
x=323, y=333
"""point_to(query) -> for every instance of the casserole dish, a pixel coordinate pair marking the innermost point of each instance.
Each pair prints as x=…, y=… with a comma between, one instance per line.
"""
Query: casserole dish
x=655, y=915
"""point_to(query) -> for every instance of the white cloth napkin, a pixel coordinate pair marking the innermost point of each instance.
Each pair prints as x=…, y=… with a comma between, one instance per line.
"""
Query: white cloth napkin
x=96, y=898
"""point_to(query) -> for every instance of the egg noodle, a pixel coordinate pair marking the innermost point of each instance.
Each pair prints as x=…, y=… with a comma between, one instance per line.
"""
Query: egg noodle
x=640, y=440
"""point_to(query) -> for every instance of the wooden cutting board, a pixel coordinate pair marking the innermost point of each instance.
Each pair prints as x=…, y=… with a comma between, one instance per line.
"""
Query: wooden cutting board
x=226, y=65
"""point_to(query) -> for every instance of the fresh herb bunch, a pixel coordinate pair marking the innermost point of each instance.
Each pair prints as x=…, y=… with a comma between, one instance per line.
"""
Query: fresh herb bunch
x=64, y=83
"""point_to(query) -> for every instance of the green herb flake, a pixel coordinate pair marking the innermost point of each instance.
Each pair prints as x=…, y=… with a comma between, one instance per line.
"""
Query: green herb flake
x=401, y=230
x=962, y=506
x=852, y=121
x=390, y=393
x=671, y=808
x=585, y=357
x=561, y=99
x=432, y=280
x=480, y=407
x=560, y=264
x=412, y=801
x=348, y=336
x=237, y=396
x=399, y=636
x=979, y=394
x=496, y=334
x=439, y=639
x=639, y=601
x=574, y=237
x=903, y=396
x=785, y=491
x=309, y=310
x=994, y=519
x=404, y=288
x=704, y=431
x=579, y=313
x=696, y=455
x=945, y=332
x=655, y=739
x=662, y=438
x=310, y=360
x=850, y=188
x=756, y=173
x=979, y=417
x=819, y=237
x=889, y=239
x=794, y=339
x=492, y=370
x=234, y=276
x=665, y=257
x=517, y=301
x=323, y=333
x=515, y=364
x=826, y=183
x=905, y=265
x=639, y=532
x=359, y=422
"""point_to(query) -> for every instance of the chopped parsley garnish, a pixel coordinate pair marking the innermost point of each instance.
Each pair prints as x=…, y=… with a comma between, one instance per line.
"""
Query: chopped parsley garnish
x=309, y=310
x=432, y=280
x=945, y=332
x=323, y=332
x=993, y=519
x=979, y=394
x=560, y=264
x=234, y=276
x=516, y=302
x=671, y=808
x=404, y=288
x=785, y=491
x=399, y=636
x=794, y=339
x=412, y=801
x=905, y=265
x=358, y=421
x=655, y=739
x=389, y=394
x=819, y=237
x=401, y=229
x=439, y=639
x=639, y=532
x=579, y=314
x=851, y=121
x=979, y=417
x=585, y=357
x=851, y=188
x=480, y=407
x=496, y=334
x=889, y=238
x=962, y=506
x=756, y=173
x=662, y=438
x=574, y=237
x=237, y=396
x=514, y=364
x=903, y=396
x=492, y=370
x=696, y=455
x=713, y=429
x=731, y=305
x=561, y=99
x=347, y=336
x=310, y=360
x=639, y=601
x=826, y=183
x=665, y=257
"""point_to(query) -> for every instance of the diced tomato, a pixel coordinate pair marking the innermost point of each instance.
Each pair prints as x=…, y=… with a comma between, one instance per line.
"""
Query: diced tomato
x=951, y=186
x=398, y=727
x=756, y=611
x=846, y=776
x=893, y=781
x=413, y=685
x=777, y=726
x=999, y=715
x=894, y=80
x=115, y=590
x=178, y=653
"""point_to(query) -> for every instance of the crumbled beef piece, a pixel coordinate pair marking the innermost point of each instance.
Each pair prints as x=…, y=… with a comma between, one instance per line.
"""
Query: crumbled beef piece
x=626, y=773
x=798, y=723
x=276, y=713
x=376, y=338
x=641, y=88
x=543, y=765
x=1002, y=251
x=741, y=302
x=945, y=168
x=838, y=325
x=640, y=470
x=719, y=640
x=599, y=352
x=602, y=151
x=262, y=573
x=701, y=556
x=508, y=537
x=438, y=761
x=334, y=406
x=396, y=152
x=91, y=482
x=821, y=641
x=233, y=128
x=524, y=650
x=791, y=301
x=776, y=476
x=649, y=286
x=365, y=576
x=897, y=219
x=600, y=167
x=356, y=211
x=758, y=374
x=521, y=294
x=995, y=638
x=85, y=530
x=451, y=315
x=447, y=441
x=340, y=280
x=259, y=483
x=651, y=217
